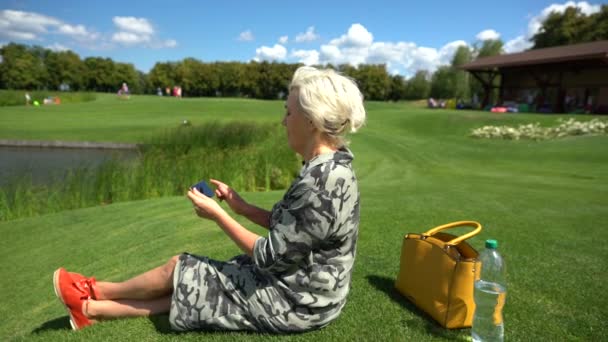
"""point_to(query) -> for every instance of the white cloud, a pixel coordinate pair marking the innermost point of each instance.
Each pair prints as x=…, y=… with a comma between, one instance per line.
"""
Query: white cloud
x=352, y=47
x=419, y=58
x=330, y=53
x=265, y=53
x=357, y=36
x=18, y=25
x=357, y=46
x=246, y=36
x=129, y=38
x=283, y=40
x=31, y=26
x=134, y=25
x=57, y=47
x=138, y=31
x=132, y=30
x=170, y=43
x=27, y=21
x=306, y=57
x=77, y=32
x=16, y=35
x=25, y=25
x=487, y=35
x=517, y=44
x=385, y=51
x=446, y=53
x=307, y=36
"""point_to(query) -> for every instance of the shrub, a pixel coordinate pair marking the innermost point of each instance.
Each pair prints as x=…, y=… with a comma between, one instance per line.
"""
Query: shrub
x=536, y=132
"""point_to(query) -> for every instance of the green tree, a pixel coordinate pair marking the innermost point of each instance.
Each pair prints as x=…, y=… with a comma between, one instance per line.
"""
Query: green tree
x=374, y=81
x=462, y=88
x=572, y=27
x=231, y=75
x=189, y=76
x=65, y=67
x=489, y=47
x=443, y=83
x=419, y=86
x=22, y=67
x=398, y=88
x=126, y=72
x=163, y=75
x=100, y=74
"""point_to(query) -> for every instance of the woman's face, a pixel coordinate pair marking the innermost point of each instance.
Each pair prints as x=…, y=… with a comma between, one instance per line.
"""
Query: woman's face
x=299, y=128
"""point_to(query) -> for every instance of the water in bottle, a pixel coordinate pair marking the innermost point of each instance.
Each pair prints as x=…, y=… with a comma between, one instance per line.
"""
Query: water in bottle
x=489, y=294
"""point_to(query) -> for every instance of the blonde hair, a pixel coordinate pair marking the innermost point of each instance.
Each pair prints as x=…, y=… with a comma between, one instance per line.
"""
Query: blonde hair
x=330, y=100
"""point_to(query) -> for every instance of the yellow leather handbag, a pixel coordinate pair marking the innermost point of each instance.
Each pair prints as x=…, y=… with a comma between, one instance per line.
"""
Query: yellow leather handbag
x=437, y=274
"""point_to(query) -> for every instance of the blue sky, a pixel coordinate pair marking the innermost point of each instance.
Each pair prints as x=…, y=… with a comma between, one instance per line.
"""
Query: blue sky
x=406, y=35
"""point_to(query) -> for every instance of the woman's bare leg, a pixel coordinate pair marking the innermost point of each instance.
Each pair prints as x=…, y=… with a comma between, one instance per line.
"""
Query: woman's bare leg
x=108, y=309
x=155, y=283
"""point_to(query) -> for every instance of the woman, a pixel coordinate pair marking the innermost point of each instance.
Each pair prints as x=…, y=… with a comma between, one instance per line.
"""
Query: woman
x=296, y=278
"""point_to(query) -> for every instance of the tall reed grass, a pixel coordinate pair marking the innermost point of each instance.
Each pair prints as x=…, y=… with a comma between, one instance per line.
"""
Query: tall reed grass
x=17, y=97
x=247, y=156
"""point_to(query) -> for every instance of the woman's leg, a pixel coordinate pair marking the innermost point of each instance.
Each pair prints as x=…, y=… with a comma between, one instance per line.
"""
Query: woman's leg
x=155, y=283
x=108, y=309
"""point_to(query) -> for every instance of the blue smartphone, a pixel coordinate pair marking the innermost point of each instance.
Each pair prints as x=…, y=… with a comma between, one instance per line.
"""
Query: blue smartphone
x=203, y=188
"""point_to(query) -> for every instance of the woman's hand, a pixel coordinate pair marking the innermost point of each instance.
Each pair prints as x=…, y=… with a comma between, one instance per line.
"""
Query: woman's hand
x=224, y=192
x=204, y=206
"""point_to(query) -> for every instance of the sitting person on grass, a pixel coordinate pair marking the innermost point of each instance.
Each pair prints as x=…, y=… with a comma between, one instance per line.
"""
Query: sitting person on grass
x=294, y=279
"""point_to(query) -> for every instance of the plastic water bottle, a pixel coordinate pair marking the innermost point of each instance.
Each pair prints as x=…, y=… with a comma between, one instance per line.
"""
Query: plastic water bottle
x=490, y=293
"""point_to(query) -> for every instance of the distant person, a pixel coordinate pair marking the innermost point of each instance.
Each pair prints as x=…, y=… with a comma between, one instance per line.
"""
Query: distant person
x=159, y=92
x=178, y=92
x=294, y=279
x=124, y=90
x=28, y=99
x=168, y=91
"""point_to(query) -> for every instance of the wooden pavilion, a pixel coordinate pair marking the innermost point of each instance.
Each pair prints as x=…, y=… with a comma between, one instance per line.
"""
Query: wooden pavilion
x=572, y=78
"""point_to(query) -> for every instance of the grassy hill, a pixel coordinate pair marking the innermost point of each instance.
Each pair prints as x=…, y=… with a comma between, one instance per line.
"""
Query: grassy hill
x=544, y=201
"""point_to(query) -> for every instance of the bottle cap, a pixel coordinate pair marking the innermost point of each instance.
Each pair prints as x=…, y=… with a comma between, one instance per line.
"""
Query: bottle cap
x=493, y=244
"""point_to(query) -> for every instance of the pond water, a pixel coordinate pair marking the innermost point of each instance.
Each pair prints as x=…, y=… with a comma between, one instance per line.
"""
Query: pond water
x=45, y=163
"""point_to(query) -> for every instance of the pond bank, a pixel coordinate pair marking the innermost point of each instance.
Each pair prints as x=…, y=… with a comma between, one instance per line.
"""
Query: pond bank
x=67, y=144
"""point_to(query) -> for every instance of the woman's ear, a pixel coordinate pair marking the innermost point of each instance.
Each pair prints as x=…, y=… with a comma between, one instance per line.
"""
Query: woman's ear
x=311, y=126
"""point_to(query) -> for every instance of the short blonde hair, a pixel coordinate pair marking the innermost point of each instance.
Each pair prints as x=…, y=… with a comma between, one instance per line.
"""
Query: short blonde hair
x=330, y=100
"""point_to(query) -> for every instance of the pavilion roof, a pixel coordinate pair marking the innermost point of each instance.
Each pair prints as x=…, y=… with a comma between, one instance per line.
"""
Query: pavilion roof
x=597, y=51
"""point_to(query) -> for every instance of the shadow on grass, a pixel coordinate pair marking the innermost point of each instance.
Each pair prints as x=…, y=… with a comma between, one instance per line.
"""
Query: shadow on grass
x=161, y=324
x=424, y=321
x=60, y=323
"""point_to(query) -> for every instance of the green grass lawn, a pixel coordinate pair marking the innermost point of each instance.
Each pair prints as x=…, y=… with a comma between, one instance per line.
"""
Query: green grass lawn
x=110, y=118
x=545, y=202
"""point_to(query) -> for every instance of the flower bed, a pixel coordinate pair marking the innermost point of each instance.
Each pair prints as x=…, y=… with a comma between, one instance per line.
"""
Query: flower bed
x=536, y=132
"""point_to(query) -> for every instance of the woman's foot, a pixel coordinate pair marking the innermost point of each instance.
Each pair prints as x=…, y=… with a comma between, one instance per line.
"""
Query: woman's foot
x=86, y=283
x=74, y=291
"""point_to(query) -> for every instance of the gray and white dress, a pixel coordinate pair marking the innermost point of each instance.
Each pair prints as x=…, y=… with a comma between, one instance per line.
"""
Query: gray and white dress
x=299, y=275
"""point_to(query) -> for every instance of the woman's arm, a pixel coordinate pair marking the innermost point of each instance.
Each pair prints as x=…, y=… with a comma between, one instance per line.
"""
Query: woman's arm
x=254, y=214
x=206, y=207
x=257, y=215
x=239, y=234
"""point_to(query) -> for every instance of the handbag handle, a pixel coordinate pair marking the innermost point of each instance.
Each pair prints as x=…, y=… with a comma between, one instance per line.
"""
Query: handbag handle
x=459, y=239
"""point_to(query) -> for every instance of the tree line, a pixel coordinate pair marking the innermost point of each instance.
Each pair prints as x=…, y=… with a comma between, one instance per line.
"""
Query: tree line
x=37, y=68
